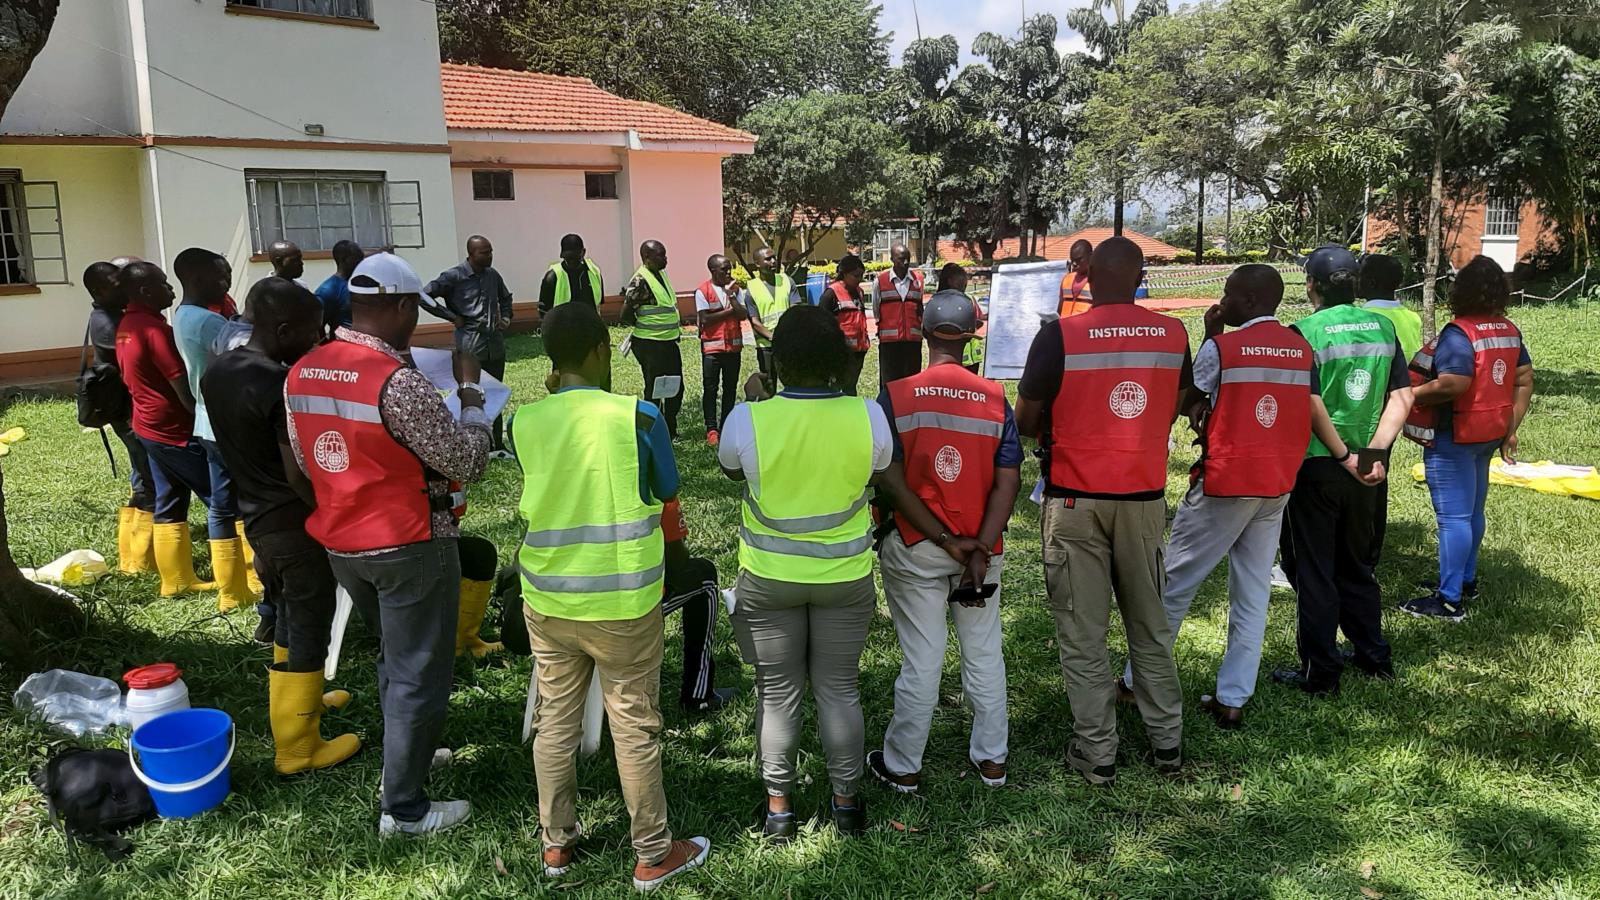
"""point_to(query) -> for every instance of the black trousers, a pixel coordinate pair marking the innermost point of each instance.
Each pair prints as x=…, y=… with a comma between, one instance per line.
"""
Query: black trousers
x=1332, y=533
x=852, y=375
x=495, y=364
x=764, y=361
x=898, y=359
x=658, y=358
x=692, y=587
x=718, y=370
x=296, y=574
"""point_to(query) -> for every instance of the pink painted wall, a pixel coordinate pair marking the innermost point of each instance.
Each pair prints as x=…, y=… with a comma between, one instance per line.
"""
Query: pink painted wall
x=676, y=198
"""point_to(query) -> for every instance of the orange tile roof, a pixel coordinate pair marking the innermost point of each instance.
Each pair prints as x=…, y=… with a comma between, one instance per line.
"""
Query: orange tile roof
x=480, y=98
x=1057, y=246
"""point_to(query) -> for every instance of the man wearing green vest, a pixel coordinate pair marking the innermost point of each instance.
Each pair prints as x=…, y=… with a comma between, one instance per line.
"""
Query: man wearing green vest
x=593, y=569
x=764, y=299
x=1334, y=523
x=572, y=277
x=1380, y=279
x=651, y=308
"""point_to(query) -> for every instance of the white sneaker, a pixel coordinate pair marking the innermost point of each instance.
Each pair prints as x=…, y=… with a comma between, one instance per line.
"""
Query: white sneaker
x=443, y=815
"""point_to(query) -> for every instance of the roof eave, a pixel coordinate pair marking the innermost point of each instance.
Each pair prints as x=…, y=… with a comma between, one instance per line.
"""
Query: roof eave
x=725, y=148
x=522, y=136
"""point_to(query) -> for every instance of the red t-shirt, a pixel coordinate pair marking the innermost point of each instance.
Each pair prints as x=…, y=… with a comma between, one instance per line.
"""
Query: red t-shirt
x=148, y=356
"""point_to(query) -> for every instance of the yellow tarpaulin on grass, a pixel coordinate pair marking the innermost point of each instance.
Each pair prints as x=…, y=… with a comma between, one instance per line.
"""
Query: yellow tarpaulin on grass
x=1544, y=476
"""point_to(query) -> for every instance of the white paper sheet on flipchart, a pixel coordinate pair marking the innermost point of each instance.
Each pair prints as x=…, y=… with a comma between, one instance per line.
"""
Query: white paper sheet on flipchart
x=436, y=364
x=1019, y=295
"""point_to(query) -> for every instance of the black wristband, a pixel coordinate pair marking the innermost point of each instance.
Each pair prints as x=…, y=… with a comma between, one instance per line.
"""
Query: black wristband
x=1347, y=455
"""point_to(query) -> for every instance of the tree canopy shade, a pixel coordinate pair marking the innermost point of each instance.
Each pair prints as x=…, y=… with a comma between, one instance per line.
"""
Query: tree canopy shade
x=712, y=58
x=821, y=160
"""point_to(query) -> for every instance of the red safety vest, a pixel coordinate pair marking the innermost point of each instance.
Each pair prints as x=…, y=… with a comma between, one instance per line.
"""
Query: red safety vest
x=1112, y=417
x=726, y=336
x=899, y=318
x=1422, y=422
x=1260, y=426
x=1483, y=411
x=852, y=319
x=950, y=423
x=372, y=492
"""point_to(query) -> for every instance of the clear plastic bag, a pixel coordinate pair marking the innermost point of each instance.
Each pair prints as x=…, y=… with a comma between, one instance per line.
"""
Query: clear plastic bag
x=76, y=703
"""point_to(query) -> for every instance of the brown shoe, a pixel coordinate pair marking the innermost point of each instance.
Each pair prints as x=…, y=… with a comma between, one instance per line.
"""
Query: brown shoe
x=1228, y=717
x=992, y=773
x=905, y=784
x=1125, y=693
x=558, y=860
x=683, y=856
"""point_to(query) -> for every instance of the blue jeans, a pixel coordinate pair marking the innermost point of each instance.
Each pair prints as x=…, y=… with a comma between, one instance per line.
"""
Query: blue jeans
x=1458, y=481
x=179, y=472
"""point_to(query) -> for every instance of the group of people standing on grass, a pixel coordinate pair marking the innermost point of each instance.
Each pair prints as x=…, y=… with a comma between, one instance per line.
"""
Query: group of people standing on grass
x=351, y=470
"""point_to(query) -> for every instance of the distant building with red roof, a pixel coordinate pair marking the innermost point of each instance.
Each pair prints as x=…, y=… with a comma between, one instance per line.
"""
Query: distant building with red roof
x=1058, y=246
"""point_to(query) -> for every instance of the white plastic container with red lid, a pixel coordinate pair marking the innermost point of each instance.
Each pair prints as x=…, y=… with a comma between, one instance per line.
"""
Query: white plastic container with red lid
x=152, y=690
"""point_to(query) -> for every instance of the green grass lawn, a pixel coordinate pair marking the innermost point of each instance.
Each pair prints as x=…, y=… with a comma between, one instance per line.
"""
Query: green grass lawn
x=1476, y=774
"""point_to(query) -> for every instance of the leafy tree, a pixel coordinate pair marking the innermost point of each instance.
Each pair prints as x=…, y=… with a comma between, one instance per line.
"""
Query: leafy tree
x=820, y=160
x=24, y=27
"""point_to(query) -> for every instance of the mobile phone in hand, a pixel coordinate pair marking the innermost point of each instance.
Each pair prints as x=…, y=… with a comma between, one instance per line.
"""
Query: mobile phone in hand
x=972, y=593
x=1367, y=457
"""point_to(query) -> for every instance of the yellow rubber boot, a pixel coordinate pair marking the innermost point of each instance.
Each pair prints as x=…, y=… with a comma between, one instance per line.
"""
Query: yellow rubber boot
x=335, y=699
x=295, y=708
x=469, y=619
x=175, y=560
x=250, y=576
x=127, y=530
x=227, y=564
x=142, y=545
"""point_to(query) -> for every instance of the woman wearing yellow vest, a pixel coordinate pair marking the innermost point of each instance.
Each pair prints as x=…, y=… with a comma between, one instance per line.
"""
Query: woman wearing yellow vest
x=805, y=594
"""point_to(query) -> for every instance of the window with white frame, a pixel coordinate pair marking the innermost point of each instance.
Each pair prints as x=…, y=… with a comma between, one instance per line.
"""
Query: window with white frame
x=32, y=246
x=317, y=209
x=1503, y=216
x=338, y=9
x=884, y=238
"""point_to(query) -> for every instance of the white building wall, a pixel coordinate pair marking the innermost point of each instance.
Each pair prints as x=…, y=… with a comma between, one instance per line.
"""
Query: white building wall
x=82, y=81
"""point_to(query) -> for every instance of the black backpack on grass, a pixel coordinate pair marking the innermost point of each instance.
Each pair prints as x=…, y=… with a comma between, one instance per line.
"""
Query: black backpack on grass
x=93, y=794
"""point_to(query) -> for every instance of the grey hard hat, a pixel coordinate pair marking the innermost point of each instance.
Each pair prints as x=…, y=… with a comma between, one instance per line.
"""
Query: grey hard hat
x=949, y=314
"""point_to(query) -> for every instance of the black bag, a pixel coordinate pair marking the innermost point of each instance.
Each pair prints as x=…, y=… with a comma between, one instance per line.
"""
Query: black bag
x=513, y=625
x=102, y=397
x=91, y=795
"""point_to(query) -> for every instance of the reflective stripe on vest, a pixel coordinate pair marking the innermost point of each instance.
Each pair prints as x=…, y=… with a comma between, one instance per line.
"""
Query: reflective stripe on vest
x=809, y=523
x=771, y=302
x=372, y=493
x=852, y=319
x=726, y=336
x=657, y=321
x=899, y=316
x=950, y=423
x=564, y=283
x=1354, y=349
x=594, y=549
x=1483, y=411
x=1260, y=423
x=1423, y=421
x=1112, y=416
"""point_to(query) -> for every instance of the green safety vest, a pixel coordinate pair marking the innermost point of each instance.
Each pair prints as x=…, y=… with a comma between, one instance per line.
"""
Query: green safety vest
x=810, y=523
x=771, y=302
x=1407, y=326
x=1354, y=350
x=564, y=283
x=657, y=321
x=594, y=550
x=972, y=353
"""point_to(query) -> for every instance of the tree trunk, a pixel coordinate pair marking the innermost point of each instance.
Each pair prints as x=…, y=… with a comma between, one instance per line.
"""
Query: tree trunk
x=1200, y=223
x=24, y=27
x=1227, y=227
x=1430, y=262
x=1116, y=209
x=24, y=606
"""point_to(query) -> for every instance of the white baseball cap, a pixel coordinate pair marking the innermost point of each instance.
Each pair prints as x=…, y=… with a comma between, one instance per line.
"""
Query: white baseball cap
x=387, y=274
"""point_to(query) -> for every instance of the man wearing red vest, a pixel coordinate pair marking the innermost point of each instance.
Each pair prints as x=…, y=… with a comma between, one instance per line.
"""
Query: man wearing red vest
x=1100, y=392
x=843, y=298
x=956, y=445
x=1255, y=403
x=721, y=322
x=898, y=300
x=381, y=449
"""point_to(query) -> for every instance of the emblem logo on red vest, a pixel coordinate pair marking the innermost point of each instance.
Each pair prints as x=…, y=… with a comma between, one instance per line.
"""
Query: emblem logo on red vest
x=1499, y=371
x=947, y=463
x=331, y=452
x=1267, y=411
x=1128, y=400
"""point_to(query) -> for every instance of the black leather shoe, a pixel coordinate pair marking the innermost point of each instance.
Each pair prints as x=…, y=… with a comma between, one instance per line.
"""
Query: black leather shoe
x=1100, y=776
x=1296, y=678
x=1384, y=672
x=850, y=820
x=779, y=828
x=266, y=629
x=1169, y=761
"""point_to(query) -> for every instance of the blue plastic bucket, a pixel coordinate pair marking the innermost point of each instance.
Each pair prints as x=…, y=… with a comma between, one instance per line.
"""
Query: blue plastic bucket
x=183, y=759
x=816, y=283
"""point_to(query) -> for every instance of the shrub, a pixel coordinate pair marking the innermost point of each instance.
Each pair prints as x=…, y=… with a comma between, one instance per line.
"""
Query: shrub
x=741, y=274
x=1183, y=256
x=1255, y=255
